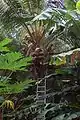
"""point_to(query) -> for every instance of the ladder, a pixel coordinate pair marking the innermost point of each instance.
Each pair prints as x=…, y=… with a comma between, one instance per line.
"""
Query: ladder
x=41, y=92
x=41, y=95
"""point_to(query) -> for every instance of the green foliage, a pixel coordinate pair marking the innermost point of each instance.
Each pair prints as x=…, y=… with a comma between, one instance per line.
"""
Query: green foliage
x=68, y=19
x=16, y=15
x=3, y=44
x=64, y=71
x=70, y=4
x=78, y=6
x=7, y=88
x=60, y=112
x=14, y=61
x=18, y=12
x=58, y=61
x=49, y=14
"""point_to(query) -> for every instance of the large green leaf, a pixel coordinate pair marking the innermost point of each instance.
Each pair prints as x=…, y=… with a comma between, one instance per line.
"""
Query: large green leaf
x=7, y=88
x=78, y=6
x=70, y=4
x=14, y=61
x=3, y=45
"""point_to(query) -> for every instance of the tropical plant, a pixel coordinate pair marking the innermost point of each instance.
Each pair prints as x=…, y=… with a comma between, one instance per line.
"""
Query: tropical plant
x=11, y=62
x=46, y=28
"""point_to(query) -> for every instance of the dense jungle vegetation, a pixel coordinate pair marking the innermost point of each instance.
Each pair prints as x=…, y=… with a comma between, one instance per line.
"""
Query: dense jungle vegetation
x=39, y=39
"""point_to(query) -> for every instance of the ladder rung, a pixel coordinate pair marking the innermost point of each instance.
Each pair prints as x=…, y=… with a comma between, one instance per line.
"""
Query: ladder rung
x=40, y=101
x=41, y=91
x=41, y=86
x=41, y=96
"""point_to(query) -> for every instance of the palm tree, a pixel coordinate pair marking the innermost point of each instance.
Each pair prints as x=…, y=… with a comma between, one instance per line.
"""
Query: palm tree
x=19, y=16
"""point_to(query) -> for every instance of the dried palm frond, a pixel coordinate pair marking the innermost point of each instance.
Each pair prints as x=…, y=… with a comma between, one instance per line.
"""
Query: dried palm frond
x=8, y=104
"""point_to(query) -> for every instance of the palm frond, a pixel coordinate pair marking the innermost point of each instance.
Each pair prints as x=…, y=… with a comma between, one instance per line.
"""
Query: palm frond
x=18, y=12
